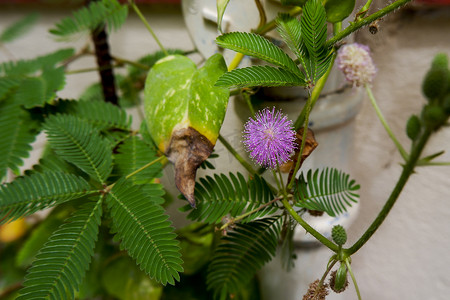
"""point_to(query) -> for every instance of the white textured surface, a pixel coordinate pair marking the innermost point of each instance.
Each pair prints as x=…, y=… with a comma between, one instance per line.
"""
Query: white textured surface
x=408, y=257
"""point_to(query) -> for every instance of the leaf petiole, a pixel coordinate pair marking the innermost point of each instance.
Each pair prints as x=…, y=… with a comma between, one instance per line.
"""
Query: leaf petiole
x=349, y=268
x=366, y=21
x=147, y=25
x=161, y=158
x=238, y=218
x=402, y=151
x=326, y=242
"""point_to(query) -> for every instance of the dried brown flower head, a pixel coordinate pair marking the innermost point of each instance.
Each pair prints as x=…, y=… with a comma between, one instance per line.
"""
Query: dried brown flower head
x=316, y=292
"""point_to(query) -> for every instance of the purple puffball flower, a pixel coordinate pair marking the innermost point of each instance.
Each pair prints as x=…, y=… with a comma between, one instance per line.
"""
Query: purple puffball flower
x=355, y=62
x=269, y=138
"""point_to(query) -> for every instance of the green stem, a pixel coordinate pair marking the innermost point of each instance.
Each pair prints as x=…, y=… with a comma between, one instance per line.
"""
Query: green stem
x=149, y=28
x=249, y=102
x=235, y=62
x=82, y=52
x=349, y=268
x=303, y=118
x=408, y=169
x=302, y=146
x=441, y=163
x=308, y=227
x=402, y=151
x=272, y=24
x=366, y=21
x=86, y=70
x=245, y=164
x=337, y=27
x=329, y=267
x=314, y=95
x=362, y=12
x=238, y=218
x=262, y=14
x=161, y=158
x=283, y=187
x=130, y=62
x=274, y=173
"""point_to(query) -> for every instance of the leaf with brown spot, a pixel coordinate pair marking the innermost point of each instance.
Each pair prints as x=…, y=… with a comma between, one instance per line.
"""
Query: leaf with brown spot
x=187, y=150
x=184, y=113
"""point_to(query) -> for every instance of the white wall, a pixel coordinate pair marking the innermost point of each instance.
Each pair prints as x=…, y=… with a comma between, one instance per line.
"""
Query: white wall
x=408, y=257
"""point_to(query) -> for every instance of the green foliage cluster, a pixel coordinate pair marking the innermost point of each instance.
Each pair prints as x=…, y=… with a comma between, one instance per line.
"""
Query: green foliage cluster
x=18, y=29
x=328, y=190
x=81, y=140
x=241, y=253
x=221, y=196
x=97, y=14
x=305, y=37
x=100, y=177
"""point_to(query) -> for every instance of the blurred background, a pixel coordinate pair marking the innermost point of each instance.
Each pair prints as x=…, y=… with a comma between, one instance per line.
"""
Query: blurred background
x=408, y=257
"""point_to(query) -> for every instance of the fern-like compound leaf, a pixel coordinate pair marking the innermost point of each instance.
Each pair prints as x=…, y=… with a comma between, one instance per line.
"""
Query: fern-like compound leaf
x=314, y=35
x=132, y=155
x=18, y=131
x=289, y=28
x=50, y=162
x=19, y=28
x=7, y=86
x=219, y=196
x=76, y=141
x=36, y=91
x=314, y=27
x=145, y=232
x=241, y=253
x=100, y=114
x=60, y=266
x=40, y=234
x=29, y=194
x=260, y=76
x=328, y=190
x=27, y=67
x=31, y=92
x=255, y=45
x=89, y=18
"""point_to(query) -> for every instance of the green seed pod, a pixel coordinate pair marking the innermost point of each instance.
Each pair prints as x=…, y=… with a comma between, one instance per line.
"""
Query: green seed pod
x=339, y=235
x=338, y=280
x=184, y=112
x=413, y=127
x=434, y=116
x=440, y=60
x=435, y=82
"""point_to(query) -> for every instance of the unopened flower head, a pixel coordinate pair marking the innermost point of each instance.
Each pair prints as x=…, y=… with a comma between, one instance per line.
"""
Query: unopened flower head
x=269, y=138
x=355, y=62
